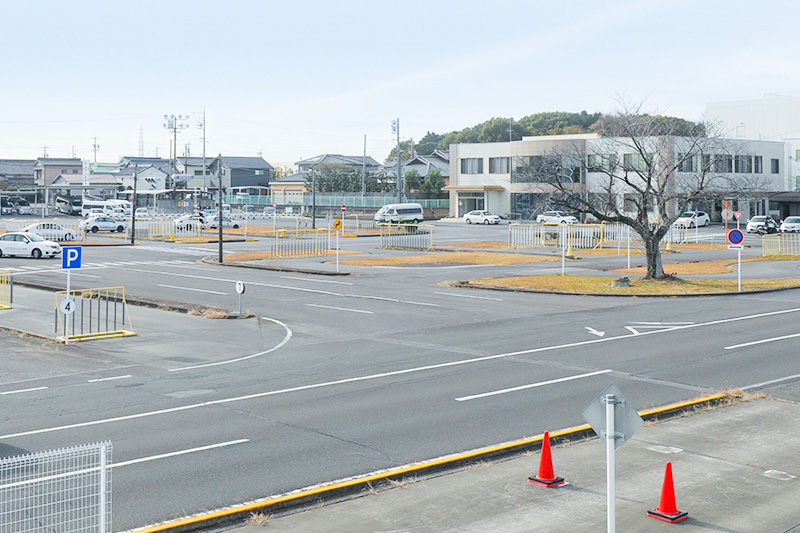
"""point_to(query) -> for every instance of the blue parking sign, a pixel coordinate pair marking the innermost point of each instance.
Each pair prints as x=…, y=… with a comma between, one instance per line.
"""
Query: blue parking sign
x=71, y=257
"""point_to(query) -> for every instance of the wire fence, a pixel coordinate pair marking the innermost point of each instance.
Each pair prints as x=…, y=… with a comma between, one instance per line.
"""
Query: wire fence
x=66, y=490
x=97, y=314
x=780, y=244
x=407, y=236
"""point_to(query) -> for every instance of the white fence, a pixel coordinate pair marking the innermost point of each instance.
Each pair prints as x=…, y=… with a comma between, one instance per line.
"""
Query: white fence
x=407, y=236
x=66, y=490
x=583, y=236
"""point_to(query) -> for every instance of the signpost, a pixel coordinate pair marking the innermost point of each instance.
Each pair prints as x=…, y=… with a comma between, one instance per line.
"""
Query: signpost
x=337, y=225
x=240, y=290
x=612, y=419
x=735, y=238
x=70, y=258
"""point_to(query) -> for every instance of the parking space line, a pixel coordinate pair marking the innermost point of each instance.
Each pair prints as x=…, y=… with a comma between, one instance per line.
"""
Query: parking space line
x=341, y=308
x=531, y=386
x=191, y=289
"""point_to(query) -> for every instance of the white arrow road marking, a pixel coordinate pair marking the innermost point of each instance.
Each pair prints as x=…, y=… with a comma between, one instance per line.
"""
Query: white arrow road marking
x=595, y=332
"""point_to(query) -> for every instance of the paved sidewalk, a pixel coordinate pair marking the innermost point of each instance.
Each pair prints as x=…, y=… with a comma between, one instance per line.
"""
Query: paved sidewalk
x=734, y=470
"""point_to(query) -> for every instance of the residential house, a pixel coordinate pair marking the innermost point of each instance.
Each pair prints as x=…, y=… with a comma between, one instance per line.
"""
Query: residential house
x=17, y=172
x=100, y=185
x=47, y=169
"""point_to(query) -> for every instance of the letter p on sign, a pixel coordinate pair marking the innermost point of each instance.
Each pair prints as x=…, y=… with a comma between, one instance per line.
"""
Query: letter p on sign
x=71, y=257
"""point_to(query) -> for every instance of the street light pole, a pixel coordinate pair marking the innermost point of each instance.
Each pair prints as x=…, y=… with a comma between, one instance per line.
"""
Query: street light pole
x=396, y=129
x=314, y=197
x=219, y=203
x=175, y=123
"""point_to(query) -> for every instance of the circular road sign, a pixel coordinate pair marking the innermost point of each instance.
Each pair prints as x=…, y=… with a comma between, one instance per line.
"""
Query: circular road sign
x=727, y=214
x=735, y=236
x=239, y=287
x=67, y=306
x=344, y=208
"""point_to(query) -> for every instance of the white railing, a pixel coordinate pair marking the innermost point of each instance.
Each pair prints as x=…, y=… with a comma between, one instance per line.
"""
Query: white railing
x=66, y=490
x=407, y=236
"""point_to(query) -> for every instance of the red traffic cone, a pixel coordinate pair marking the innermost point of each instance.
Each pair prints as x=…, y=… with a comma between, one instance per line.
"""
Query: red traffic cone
x=667, y=510
x=546, y=478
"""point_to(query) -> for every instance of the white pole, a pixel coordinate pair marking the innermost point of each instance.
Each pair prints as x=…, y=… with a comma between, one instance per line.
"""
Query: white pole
x=245, y=229
x=563, y=251
x=337, y=250
x=610, y=434
x=739, y=261
x=629, y=246
x=103, y=482
x=66, y=321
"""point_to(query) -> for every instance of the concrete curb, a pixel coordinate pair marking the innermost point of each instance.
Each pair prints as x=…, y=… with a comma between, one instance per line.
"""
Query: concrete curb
x=346, y=488
x=276, y=268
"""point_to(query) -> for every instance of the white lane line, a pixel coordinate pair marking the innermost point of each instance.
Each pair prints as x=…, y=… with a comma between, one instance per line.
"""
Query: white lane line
x=191, y=289
x=229, y=361
x=109, y=379
x=341, y=309
x=86, y=275
x=22, y=390
x=180, y=452
x=317, y=280
x=420, y=303
x=370, y=377
x=468, y=296
x=770, y=382
x=762, y=341
x=662, y=323
x=531, y=386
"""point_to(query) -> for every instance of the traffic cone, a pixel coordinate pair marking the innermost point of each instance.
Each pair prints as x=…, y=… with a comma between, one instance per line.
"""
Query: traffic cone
x=546, y=478
x=667, y=510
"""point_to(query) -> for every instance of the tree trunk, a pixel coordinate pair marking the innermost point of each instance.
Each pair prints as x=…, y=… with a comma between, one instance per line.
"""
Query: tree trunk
x=655, y=269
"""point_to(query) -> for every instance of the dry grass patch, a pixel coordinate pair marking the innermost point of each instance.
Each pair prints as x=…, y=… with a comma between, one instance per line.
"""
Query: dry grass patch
x=485, y=245
x=639, y=287
x=258, y=519
x=210, y=312
x=479, y=258
x=719, y=266
x=609, y=251
x=255, y=256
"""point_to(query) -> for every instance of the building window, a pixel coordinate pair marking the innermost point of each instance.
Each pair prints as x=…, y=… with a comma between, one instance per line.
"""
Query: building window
x=776, y=165
x=499, y=165
x=601, y=162
x=634, y=162
x=472, y=165
x=686, y=163
x=259, y=172
x=758, y=165
x=743, y=164
x=723, y=163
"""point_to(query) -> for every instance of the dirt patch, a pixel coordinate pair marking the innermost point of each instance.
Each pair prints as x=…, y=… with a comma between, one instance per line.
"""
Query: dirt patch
x=477, y=258
x=485, y=245
x=256, y=256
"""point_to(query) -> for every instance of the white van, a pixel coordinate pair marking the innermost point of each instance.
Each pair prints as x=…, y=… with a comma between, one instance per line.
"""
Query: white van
x=396, y=213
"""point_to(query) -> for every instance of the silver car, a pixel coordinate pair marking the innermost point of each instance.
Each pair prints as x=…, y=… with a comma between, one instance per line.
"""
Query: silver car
x=790, y=225
x=104, y=223
x=27, y=245
x=481, y=217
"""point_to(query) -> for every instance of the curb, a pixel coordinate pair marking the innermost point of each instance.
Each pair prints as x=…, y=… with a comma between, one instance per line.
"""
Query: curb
x=343, y=489
x=276, y=268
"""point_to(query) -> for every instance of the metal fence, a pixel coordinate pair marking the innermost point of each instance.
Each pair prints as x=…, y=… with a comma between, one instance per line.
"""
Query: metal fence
x=66, y=490
x=301, y=243
x=98, y=314
x=329, y=200
x=6, y=289
x=780, y=244
x=583, y=236
x=407, y=236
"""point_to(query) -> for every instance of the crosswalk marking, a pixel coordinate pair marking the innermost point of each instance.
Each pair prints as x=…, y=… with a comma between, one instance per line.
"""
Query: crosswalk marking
x=30, y=269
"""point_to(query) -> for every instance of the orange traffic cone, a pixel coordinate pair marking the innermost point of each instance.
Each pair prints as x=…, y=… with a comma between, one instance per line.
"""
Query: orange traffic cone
x=667, y=510
x=546, y=478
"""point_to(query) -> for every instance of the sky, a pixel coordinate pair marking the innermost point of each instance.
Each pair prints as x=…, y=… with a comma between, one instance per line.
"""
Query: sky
x=291, y=80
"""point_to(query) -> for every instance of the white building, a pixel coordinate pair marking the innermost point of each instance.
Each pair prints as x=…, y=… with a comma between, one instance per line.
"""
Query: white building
x=499, y=176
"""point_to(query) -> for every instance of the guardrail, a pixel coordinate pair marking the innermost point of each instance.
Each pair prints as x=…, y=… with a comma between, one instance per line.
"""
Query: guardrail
x=780, y=244
x=407, y=236
x=301, y=243
x=98, y=314
x=359, y=223
x=6, y=289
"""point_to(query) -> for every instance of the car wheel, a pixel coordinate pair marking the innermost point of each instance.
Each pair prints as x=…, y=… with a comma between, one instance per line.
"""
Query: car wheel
x=69, y=237
x=120, y=229
x=36, y=253
x=486, y=221
x=236, y=226
x=1, y=253
x=416, y=221
x=691, y=224
x=95, y=229
x=469, y=221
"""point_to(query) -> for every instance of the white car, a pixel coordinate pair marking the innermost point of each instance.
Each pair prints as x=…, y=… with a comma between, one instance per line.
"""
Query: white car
x=103, y=223
x=481, y=217
x=213, y=223
x=27, y=245
x=189, y=222
x=692, y=219
x=556, y=217
x=117, y=214
x=142, y=212
x=790, y=225
x=756, y=222
x=22, y=207
x=51, y=230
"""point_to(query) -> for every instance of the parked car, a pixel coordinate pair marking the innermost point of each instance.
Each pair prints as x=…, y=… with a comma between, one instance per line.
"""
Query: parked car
x=756, y=222
x=51, y=230
x=117, y=213
x=692, y=219
x=556, y=217
x=142, y=212
x=5, y=206
x=481, y=217
x=269, y=211
x=790, y=225
x=96, y=212
x=103, y=223
x=27, y=245
x=189, y=222
x=21, y=206
x=213, y=223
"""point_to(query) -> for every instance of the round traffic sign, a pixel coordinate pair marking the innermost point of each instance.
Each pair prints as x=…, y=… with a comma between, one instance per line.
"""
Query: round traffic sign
x=67, y=306
x=735, y=236
x=727, y=214
x=239, y=287
x=344, y=208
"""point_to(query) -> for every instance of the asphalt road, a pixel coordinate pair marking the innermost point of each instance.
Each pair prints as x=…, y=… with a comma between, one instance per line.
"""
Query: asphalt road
x=339, y=376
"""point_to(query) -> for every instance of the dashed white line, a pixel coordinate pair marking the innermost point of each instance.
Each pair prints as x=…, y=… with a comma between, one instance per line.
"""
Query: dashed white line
x=317, y=280
x=191, y=289
x=22, y=390
x=468, y=296
x=179, y=452
x=109, y=379
x=762, y=341
x=341, y=309
x=531, y=386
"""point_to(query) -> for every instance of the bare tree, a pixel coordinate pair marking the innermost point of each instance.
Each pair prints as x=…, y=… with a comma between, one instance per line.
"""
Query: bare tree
x=644, y=171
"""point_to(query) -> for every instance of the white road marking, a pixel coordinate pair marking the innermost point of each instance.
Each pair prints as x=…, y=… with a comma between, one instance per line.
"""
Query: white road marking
x=370, y=377
x=180, y=452
x=468, y=296
x=762, y=341
x=22, y=390
x=594, y=331
x=770, y=382
x=419, y=303
x=190, y=289
x=229, y=361
x=317, y=280
x=86, y=275
x=341, y=308
x=531, y=386
x=109, y=379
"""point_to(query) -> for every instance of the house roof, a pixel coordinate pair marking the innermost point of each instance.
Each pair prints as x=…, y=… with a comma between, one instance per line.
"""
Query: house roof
x=249, y=163
x=16, y=167
x=297, y=177
x=94, y=179
x=58, y=161
x=349, y=160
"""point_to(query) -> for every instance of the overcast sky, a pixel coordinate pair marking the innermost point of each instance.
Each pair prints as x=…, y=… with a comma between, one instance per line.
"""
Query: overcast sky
x=291, y=80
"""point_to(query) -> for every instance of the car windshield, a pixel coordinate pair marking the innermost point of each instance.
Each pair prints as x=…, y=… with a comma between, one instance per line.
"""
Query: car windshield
x=759, y=219
x=34, y=237
x=792, y=220
x=687, y=214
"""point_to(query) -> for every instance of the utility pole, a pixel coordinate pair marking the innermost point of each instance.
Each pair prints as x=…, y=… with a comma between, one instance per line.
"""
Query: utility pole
x=314, y=197
x=364, y=172
x=95, y=147
x=44, y=151
x=219, y=203
x=133, y=207
x=396, y=129
x=202, y=125
x=175, y=123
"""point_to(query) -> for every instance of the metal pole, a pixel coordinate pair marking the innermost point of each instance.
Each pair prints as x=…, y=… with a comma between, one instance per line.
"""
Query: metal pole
x=219, y=203
x=314, y=197
x=364, y=172
x=66, y=320
x=610, y=436
x=133, y=207
x=399, y=171
x=337, y=250
x=563, y=251
x=629, y=246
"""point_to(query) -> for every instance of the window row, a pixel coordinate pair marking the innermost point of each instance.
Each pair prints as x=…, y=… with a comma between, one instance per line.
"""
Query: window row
x=497, y=165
